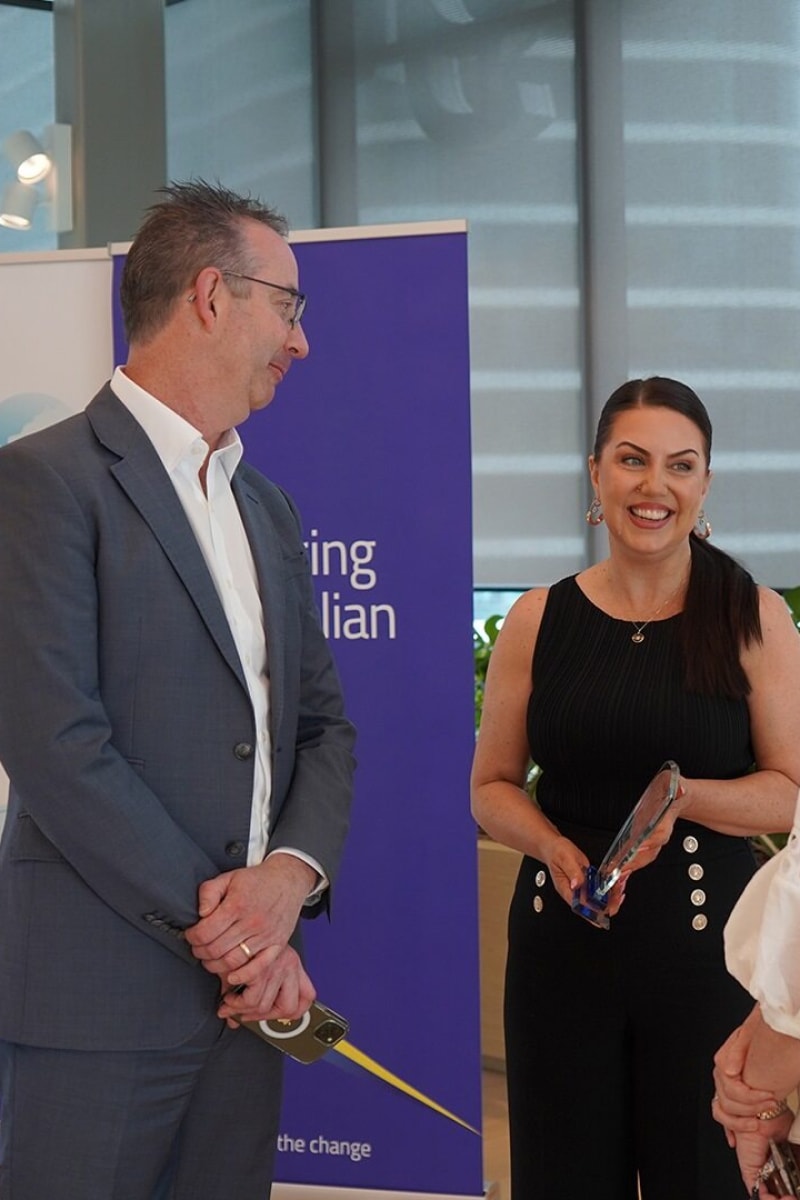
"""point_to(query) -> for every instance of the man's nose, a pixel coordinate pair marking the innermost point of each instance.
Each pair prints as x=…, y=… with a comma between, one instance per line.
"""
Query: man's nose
x=297, y=342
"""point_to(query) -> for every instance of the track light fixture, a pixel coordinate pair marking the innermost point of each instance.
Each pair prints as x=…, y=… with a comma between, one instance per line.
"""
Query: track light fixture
x=18, y=204
x=27, y=156
x=48, y=162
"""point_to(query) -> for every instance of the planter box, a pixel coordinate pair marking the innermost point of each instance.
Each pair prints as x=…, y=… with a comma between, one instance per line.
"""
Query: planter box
x=497, y=873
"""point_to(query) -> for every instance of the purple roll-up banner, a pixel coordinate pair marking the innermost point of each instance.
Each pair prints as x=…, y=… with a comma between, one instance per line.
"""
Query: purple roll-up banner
x=370, y=435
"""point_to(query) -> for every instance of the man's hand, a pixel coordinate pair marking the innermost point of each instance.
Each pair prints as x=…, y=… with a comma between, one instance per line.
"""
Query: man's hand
x=281, y=990
x=246, y=919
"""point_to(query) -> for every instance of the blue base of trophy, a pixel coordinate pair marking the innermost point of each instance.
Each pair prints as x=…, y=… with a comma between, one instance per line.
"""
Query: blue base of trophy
x=589, y=902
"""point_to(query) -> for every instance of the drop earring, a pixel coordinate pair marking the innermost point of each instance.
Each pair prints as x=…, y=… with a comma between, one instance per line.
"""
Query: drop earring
x=702, y=526
x=594, y=513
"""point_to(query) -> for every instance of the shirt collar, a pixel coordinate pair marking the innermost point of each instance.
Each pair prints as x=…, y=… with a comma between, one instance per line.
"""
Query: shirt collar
x=171, y=434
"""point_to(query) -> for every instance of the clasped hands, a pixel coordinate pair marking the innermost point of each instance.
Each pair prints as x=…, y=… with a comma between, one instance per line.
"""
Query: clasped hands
x=736, y=1105
x=246, y=919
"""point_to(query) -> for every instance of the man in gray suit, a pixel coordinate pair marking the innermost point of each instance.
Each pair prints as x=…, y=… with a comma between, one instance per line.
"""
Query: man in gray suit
x=172, y=725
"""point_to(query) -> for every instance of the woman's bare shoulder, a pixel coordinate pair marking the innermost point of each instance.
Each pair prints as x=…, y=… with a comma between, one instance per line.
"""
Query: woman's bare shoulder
x=529, y=606
x=772, y=606
x=777, y=652
x=779, y=635
x=521, y=626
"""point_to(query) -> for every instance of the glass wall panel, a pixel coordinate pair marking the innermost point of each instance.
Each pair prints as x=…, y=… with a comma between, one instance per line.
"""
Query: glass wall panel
x=712, y=207
x=26, y=102
x=465, y=108
x=431, y=109
x=239, y=99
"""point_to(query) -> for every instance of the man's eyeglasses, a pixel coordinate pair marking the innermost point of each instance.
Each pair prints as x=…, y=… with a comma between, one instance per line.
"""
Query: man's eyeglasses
x=298, y=297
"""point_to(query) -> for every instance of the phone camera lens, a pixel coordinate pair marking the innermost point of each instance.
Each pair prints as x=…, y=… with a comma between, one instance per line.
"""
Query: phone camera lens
x=329, y=1032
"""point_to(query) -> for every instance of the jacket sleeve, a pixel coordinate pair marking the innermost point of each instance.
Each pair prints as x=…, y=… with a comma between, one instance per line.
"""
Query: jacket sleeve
x=312, y=812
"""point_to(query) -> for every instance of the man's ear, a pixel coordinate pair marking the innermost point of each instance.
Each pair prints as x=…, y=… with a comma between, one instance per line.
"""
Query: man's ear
x=206, y=288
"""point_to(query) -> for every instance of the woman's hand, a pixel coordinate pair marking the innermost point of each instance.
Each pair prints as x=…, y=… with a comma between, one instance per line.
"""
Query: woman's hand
x=567, y=866
x=752, y=1151
x=654, y=843
x=735, y=1103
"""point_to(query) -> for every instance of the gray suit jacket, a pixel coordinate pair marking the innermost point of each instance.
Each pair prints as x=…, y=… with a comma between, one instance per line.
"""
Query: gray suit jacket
x=127, y=732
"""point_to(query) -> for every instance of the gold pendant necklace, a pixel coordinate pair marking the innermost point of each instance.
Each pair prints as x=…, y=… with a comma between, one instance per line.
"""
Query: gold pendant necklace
x=639, y=626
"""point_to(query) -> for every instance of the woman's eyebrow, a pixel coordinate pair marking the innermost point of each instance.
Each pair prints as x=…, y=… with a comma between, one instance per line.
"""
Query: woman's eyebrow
x=641, y=450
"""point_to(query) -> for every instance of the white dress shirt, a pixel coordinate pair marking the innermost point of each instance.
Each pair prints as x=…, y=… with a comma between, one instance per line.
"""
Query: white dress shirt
x=217, y=524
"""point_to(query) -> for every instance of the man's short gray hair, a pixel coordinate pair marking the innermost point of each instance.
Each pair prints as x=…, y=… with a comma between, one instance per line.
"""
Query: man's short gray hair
x=195, y=225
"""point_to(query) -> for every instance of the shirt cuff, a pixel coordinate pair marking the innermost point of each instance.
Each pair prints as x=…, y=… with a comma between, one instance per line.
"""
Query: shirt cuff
x=322, y=883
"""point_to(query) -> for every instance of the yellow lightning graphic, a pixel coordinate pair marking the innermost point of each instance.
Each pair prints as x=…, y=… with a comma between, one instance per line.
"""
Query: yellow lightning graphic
x=369, y=1064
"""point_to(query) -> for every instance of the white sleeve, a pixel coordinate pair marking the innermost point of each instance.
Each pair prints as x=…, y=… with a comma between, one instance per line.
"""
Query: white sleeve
x=762, y=938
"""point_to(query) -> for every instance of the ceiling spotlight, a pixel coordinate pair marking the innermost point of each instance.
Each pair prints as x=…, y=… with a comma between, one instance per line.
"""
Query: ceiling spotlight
x=27, y=156
x=19, y=201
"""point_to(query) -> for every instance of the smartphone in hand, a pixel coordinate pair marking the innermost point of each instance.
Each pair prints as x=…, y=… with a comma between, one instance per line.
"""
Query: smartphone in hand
x=305, y=1039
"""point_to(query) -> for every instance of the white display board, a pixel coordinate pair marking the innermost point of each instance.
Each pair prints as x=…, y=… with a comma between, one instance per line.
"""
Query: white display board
x=55, y=344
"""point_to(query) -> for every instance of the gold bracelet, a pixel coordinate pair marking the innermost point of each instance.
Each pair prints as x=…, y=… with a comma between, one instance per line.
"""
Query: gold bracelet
x=769, y=1114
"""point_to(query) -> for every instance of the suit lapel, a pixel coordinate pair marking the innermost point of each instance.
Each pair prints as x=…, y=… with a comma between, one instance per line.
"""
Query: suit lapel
x=141, y=475
x=268, y=558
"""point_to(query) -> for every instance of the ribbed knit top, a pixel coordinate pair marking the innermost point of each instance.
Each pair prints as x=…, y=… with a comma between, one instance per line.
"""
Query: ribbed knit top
x=605, y=713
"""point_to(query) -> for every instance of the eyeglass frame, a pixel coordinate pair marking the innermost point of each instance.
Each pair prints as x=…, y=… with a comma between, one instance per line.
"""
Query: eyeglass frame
x=300, y=298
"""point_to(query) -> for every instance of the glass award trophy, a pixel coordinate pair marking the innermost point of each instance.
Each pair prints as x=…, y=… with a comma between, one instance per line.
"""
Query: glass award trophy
x=591, y=898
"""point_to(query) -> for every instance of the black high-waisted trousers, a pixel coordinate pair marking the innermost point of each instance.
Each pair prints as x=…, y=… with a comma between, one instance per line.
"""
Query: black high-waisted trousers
x=610, y=1035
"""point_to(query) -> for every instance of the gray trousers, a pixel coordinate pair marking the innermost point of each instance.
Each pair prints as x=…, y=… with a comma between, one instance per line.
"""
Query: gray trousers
x=194, y=1122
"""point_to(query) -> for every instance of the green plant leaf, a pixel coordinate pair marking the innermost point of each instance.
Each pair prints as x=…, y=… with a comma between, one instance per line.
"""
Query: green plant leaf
x=792, y=598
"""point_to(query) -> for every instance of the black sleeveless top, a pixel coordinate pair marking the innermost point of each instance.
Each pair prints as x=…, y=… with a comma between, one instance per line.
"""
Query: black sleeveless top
x=605, y=713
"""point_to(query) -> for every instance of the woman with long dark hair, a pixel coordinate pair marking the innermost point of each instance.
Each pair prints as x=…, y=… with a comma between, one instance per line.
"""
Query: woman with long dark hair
x=665, y=650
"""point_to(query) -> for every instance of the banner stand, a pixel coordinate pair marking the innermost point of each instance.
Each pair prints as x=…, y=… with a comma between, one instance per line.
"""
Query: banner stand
x=371, y=438
x=299, y=1191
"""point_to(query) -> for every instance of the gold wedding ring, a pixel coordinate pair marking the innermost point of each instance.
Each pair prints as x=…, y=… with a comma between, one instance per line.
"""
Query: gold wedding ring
x=244, y=946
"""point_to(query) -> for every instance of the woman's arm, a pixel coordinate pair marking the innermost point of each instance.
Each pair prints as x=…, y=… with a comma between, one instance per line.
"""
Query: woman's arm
x=773, y=1060
x=500, y=803
x=764, y=801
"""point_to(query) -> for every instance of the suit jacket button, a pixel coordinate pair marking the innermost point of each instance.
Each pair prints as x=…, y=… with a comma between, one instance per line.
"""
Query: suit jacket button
x=243, y=750
x=235, y=849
